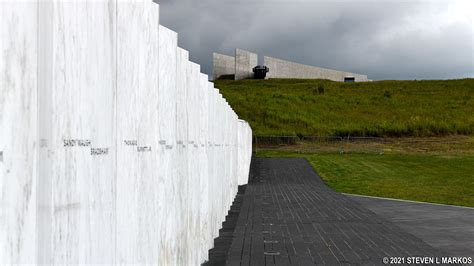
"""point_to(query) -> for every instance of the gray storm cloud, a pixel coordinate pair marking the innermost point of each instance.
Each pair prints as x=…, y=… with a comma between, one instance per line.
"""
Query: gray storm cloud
x=384, y=39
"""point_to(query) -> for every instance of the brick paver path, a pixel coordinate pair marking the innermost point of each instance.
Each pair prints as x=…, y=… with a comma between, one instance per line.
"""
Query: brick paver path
x=289, y=217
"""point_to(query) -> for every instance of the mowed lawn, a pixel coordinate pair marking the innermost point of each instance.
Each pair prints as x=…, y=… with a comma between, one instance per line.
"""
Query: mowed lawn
x=428, y=178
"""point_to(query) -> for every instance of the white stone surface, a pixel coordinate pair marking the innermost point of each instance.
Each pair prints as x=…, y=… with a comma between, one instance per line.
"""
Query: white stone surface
x=167, y=167
x=193, y=164
x=183, y=233
x=18, y=135
x=140, y=201
x=244, y=152
x=45, y=212
x=77, y=88
x=114, y=148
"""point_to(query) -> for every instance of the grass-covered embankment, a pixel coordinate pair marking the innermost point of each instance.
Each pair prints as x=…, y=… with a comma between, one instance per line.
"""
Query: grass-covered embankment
x=427, y=178
x=436, y=168
x=382, y=108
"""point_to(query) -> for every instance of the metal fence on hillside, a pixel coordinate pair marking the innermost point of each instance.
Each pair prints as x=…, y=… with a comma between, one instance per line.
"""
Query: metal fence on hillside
x=319, y=144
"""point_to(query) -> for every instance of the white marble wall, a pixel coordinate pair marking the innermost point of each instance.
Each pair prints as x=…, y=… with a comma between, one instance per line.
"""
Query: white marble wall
x=114, y=148
x=140, y=189
x=244, y=153
x=18, y=134
x=77, y=132
x=183, y=206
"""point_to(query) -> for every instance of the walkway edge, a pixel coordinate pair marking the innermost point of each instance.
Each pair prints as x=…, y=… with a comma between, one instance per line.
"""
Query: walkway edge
x=410, y=201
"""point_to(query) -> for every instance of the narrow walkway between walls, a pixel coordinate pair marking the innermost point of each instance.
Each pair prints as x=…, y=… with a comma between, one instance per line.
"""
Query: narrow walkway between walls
x=218, y=254
x=290, y=217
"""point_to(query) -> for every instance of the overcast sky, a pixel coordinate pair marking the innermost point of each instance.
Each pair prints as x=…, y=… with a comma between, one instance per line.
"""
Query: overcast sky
x=386, y=39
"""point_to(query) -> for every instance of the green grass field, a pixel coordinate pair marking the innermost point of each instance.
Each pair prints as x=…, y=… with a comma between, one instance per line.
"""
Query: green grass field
x=382, y=108
x=428, y=128
x=428, y=178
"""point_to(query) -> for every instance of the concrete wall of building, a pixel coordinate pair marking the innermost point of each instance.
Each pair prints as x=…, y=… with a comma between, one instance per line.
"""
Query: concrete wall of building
x=114, y=148
x=244, y=63
x=224, y=66
x=285, y=69
x=241, y=66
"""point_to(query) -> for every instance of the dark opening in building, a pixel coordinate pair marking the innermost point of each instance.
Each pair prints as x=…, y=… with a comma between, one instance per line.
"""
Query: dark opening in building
x=260, y=72
x=349, y=79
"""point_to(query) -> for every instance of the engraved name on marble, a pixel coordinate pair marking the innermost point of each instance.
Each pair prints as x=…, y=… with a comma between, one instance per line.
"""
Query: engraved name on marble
x=99, y=151
x=76, y=142
x=144, y=148
x=131, y=142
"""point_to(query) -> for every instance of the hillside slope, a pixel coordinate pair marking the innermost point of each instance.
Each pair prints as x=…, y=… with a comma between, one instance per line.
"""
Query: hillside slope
x=382, y=108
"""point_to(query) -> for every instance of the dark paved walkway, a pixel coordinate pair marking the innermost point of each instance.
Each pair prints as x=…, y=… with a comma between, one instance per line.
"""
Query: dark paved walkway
x=448, y=228
x=289, y=217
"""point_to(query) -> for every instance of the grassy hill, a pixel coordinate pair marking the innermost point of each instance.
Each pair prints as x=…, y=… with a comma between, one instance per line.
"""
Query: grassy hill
x=382, y=108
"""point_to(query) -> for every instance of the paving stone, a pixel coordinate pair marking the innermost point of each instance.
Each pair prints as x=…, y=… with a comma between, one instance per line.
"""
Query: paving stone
x=287, y=202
